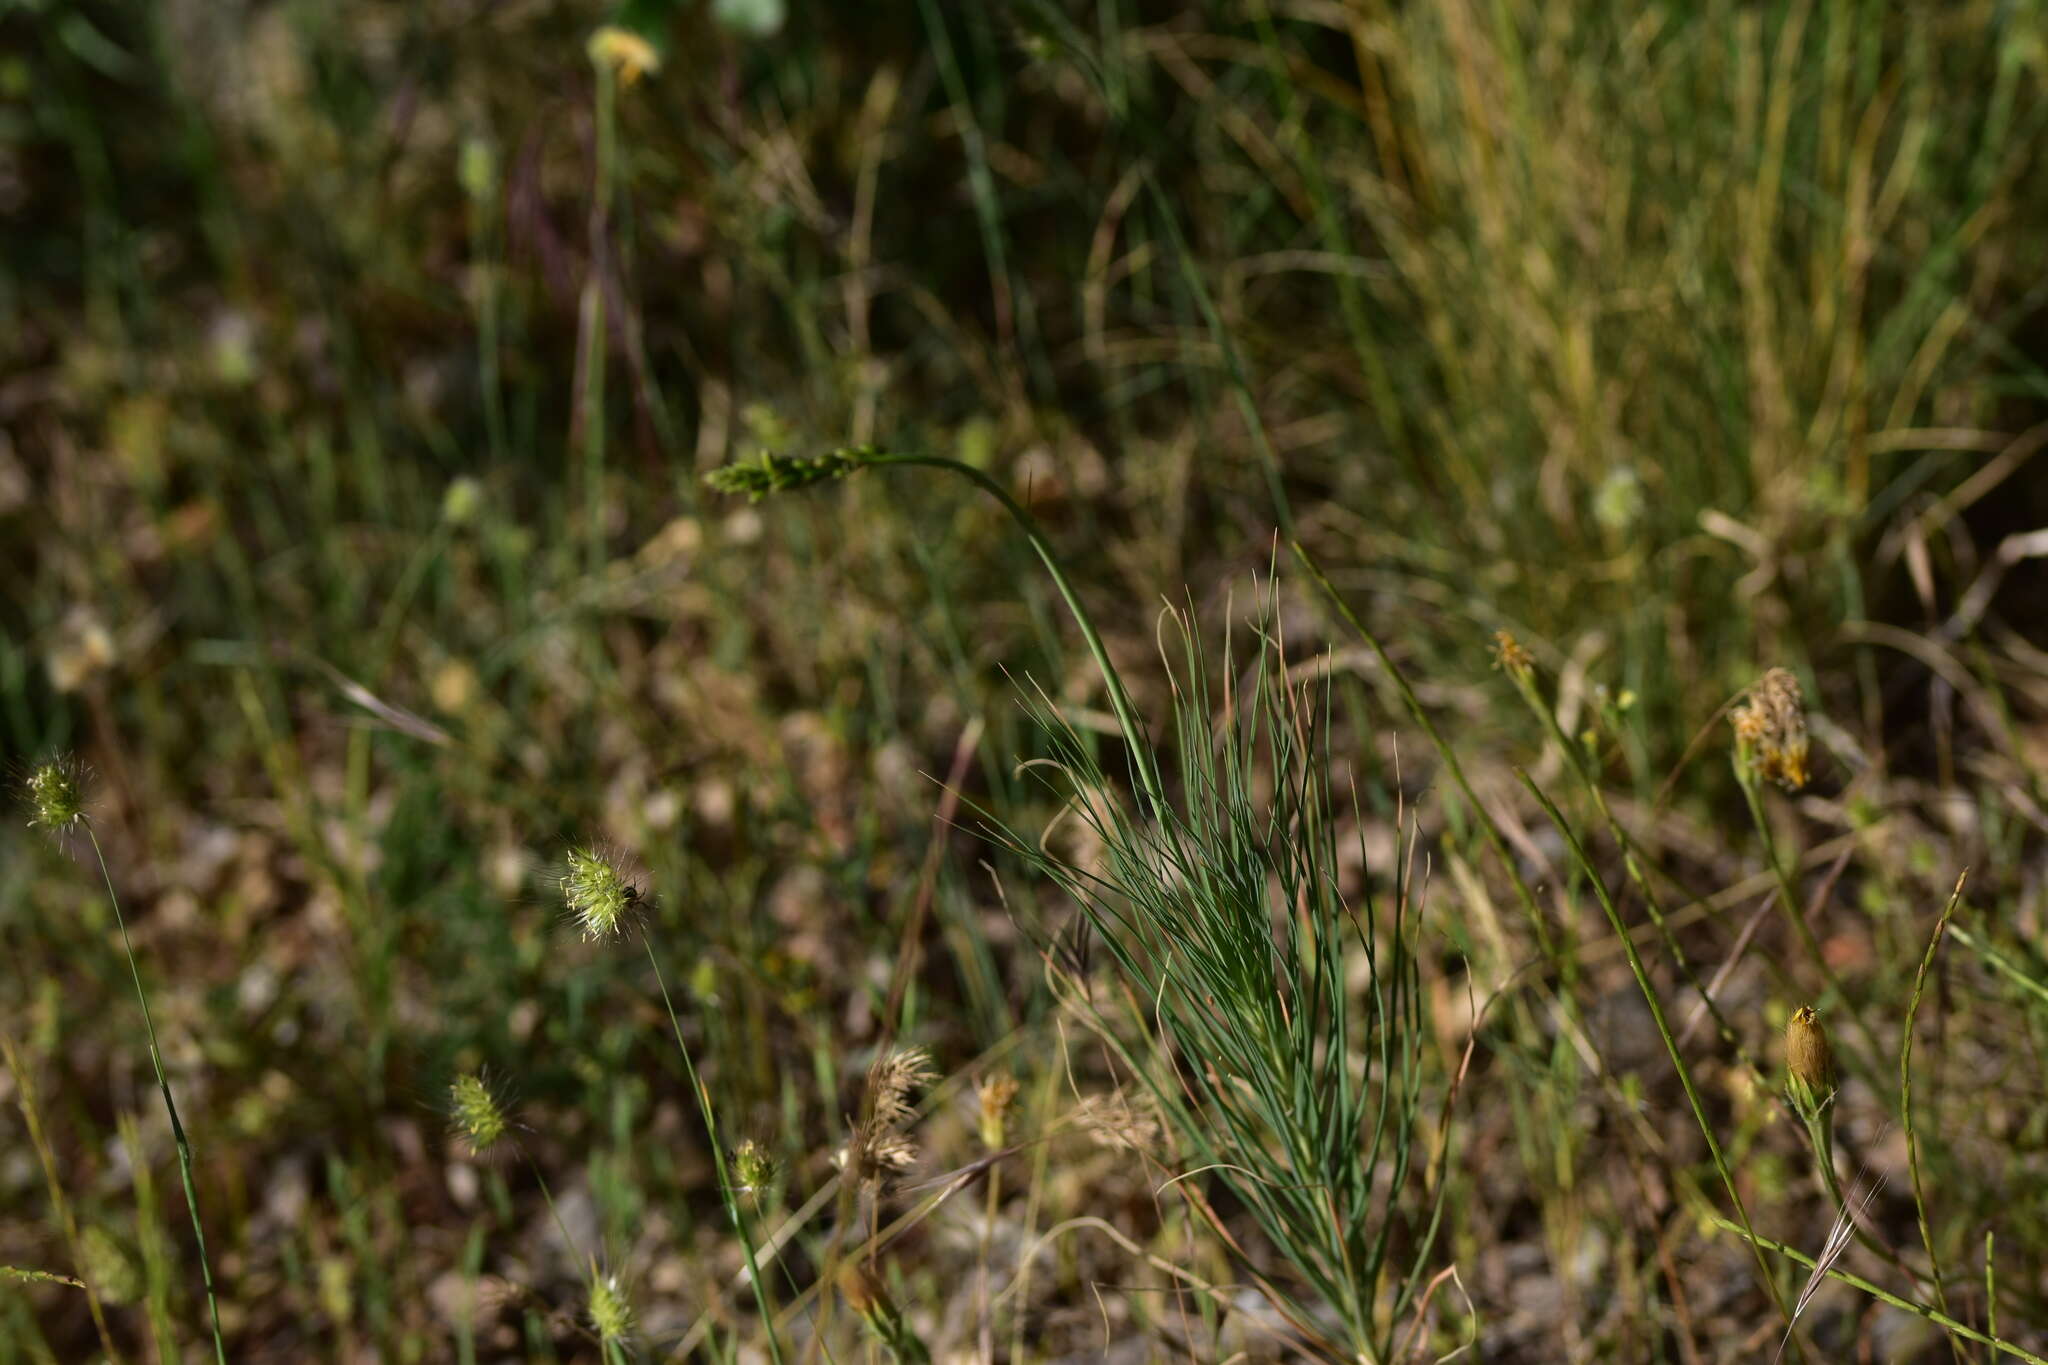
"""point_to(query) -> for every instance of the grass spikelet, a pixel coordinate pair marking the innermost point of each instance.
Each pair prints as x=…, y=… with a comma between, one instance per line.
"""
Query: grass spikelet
x=878, y=1148
x=56, y=794
x=768, y=473
x=476, y=1114
x=609, y=1310
x=900, y=1076
x=1841, y=1232
x=599, y=891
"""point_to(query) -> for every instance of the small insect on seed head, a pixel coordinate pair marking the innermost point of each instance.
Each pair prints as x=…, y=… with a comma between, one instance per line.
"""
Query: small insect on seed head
x=56, y=793
x=600, y=893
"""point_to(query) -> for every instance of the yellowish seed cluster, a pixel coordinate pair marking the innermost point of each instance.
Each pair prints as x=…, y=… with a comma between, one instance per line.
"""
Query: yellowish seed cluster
x=1770, y=728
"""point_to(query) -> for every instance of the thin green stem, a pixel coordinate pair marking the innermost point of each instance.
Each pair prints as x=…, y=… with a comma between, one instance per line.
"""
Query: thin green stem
x=1789, y=899
x=1135, y=736
x=725, y=1190
x=1906, y=1098
x=1444, y=751
x=1692, y=1094
x=220, y=1350
x=1526, y=686
x=1882, y=1295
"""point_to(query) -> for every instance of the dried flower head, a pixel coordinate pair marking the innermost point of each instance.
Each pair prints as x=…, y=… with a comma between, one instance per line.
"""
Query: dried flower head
x=1511, y=658
x=899, y=1077
x=1808, y=1057
x=627, y=54
x=611, y=1314
x=994, y=1098
x=877, y=1149
x=56, y=793
x=771, y=473
x=1116, y=1123
x=476, y=1113
x=599, y=892
x=1770, y=729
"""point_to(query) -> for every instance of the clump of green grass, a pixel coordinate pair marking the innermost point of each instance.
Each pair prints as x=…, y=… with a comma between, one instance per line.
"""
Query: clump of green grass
x=1218, y=897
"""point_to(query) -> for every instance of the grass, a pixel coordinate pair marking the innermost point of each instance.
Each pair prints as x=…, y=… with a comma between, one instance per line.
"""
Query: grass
x=364, y=365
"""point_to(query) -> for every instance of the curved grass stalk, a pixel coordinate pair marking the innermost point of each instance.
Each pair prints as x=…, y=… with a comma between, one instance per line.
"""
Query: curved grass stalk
x=163, y=1085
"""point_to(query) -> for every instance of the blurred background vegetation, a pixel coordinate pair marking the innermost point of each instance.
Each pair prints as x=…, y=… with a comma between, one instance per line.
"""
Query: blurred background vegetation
x=359, y=366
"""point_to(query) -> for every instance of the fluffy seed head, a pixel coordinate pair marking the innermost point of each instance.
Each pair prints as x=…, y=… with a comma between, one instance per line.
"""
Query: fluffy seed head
x=478, y=1117
x=598, y=892
x=896, y=1080
x=1808, y=1057
x=56, y=794
x=1770, y=729
x=611, y=1314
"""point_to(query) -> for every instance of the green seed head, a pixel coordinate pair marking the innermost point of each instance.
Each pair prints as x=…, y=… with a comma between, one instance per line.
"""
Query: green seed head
x=611, y=1316
x=598, y=892
x=753, y=1169
x=56, y=794
x=478, y=1117
x=770, y=473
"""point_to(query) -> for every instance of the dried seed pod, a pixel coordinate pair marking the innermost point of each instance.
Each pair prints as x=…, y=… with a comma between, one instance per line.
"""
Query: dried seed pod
x=1807, y=1054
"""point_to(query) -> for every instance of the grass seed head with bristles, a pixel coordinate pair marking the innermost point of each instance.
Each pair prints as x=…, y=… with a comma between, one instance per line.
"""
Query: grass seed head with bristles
x=1770, y=729
x=600, y=892
x=56, y=793
x=878, y=1149
x=476, y=1114
x=610, y=1311
x=900, y=1076
x=753, y=1169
